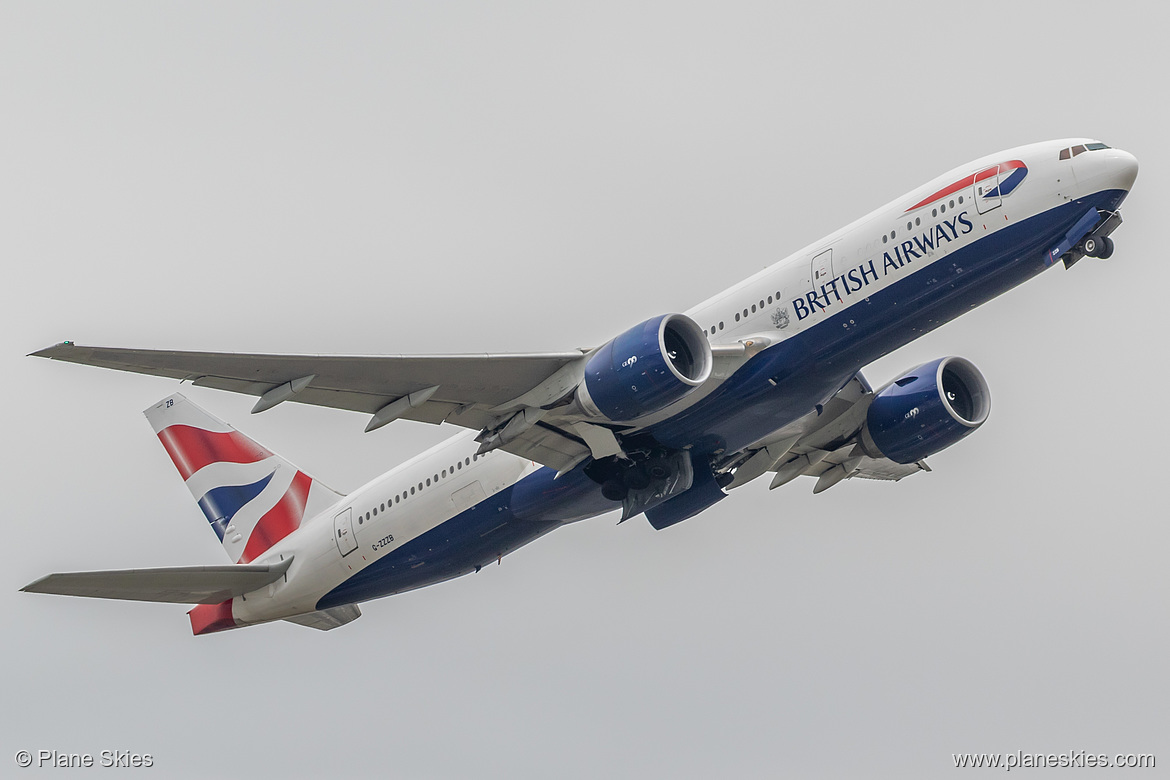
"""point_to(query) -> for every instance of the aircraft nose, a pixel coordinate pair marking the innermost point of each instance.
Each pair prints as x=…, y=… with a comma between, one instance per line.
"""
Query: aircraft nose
x=1105, y=169
x=1123, y=169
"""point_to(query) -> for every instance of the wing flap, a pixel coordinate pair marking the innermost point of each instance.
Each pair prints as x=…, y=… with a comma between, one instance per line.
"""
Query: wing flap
x=173, y=585
x=549, y=445
x=886, y=469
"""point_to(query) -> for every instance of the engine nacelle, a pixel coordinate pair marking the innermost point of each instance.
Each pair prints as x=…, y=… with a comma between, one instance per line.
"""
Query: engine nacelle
x=927, y=410
x=645, y=369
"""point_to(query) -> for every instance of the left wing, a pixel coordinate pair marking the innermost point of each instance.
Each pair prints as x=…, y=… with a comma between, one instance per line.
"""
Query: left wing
x=825, y=444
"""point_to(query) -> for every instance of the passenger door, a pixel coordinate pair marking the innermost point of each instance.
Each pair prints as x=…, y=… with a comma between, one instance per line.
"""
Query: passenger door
x=466, y=497
x=343, y=533
x=822, y=269
x=987, y=195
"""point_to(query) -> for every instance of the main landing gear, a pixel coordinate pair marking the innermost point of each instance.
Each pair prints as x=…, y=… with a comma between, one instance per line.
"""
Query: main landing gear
x=635, y=476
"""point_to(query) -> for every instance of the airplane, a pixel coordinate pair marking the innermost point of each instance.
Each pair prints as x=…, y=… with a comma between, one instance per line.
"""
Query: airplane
x=662, y=421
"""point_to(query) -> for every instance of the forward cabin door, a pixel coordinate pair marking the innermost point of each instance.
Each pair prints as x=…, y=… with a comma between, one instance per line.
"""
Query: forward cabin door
x=822, y=269
x=987, y=195
x=343, y=533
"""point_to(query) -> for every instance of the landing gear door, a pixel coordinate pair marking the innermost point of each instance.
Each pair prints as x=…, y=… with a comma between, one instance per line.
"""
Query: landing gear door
x=987, y=195
x=343, y=533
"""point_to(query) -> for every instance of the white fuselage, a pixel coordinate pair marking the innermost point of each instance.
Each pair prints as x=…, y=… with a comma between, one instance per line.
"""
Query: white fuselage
x=388, y=512
x=830, y=276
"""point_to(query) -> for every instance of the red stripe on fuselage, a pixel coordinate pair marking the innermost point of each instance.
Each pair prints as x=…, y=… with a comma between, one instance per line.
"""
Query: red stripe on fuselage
x=193, y=448
x=281, y=520
x=968, y=181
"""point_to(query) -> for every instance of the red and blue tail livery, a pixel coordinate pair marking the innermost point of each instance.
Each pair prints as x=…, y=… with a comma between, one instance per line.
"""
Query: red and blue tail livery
x=663, y=420
x=251, y=497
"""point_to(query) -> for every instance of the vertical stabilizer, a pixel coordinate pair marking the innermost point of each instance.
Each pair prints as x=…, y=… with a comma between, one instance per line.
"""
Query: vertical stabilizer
x=252, y=497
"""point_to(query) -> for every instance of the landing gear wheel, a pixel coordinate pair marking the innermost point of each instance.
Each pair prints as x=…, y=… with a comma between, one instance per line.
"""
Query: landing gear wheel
x=658, y=469
x=1098, y=246
x=636, y=478
x=614, y=489
x=1106, y=250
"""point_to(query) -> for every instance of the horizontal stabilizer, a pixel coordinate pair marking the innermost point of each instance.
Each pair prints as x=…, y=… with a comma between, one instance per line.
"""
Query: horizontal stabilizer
x=327, y=619
x=174, y=585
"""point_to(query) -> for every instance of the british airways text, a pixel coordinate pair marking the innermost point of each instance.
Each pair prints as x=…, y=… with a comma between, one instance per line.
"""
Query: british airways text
x=863, y=275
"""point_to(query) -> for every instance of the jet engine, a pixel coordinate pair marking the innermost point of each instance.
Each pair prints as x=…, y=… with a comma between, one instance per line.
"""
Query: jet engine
x=926, y=410
x=645, y=369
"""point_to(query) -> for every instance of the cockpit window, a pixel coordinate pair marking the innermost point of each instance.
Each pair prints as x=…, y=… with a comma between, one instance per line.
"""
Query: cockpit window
x=1067, y=154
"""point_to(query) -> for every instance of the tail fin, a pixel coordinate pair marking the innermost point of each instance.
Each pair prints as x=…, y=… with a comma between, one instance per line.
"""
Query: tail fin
x=252, y=497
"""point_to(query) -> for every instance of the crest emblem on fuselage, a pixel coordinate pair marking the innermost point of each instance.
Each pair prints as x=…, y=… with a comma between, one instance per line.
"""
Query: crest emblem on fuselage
x=780, y=317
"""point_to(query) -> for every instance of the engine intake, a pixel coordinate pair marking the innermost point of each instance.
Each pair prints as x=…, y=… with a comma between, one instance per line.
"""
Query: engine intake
x=645, y=369
x=926, y=410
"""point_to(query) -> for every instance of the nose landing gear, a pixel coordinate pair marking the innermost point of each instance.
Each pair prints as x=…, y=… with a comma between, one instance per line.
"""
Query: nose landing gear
x=1100, y=247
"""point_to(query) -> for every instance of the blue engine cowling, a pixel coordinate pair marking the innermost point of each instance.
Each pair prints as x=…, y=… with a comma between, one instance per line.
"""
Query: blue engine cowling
x=645, y=369
x=926, y=410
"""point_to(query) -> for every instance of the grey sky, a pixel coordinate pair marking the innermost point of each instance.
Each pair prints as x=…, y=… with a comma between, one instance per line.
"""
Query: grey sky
x=378, y=177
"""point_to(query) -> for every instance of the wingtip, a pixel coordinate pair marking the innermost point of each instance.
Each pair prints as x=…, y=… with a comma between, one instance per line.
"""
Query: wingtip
x=49, y=352
x=32, y=586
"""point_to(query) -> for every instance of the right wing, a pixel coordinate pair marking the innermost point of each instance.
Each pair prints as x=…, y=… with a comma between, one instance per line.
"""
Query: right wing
x=461, y=389
x=174, y=585
x=521, y=398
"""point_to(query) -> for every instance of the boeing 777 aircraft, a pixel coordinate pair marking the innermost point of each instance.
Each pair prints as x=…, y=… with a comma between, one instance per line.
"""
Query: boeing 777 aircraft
x=663, y=420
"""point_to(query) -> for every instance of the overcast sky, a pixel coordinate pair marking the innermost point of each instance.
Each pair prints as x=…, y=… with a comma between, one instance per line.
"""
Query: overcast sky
x=442, y=177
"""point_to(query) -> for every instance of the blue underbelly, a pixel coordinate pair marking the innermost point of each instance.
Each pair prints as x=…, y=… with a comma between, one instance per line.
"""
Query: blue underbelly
x=496, y=526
